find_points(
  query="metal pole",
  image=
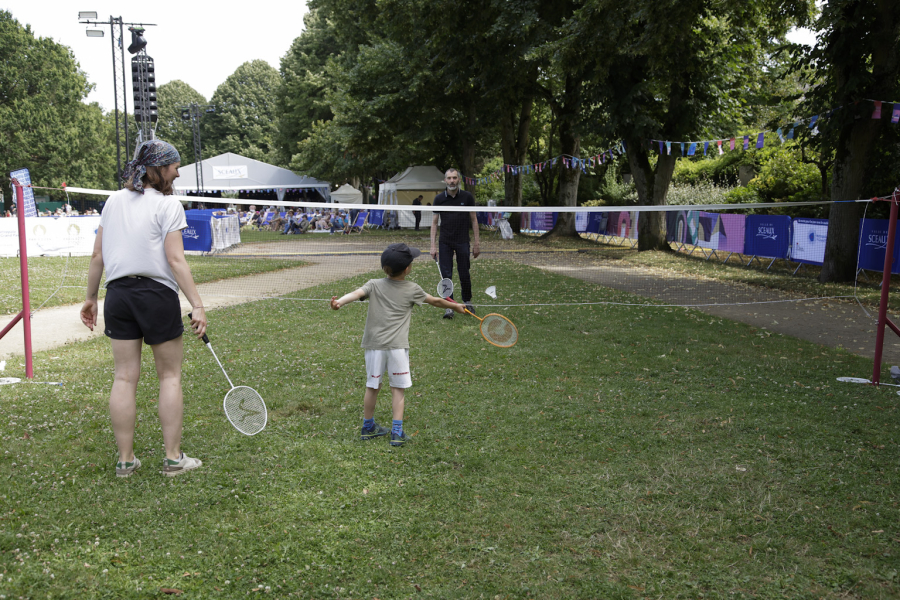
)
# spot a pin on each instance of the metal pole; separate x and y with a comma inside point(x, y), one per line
point(112, 41)
point(23, 267)
point(885, 290)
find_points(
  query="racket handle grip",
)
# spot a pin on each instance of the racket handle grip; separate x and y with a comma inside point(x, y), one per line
point(205, 338)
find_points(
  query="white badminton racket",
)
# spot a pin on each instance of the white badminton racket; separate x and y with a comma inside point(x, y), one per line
point(445, 287)
point(243, 405)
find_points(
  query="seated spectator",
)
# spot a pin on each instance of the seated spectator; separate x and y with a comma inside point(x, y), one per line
point(338, 222)
point(324, 223)
point(277, 223)
point(288, 220)
point(256, 220)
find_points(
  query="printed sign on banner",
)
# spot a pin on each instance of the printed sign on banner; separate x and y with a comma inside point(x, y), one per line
point(543, 221)
point(809, 237)
point(596, 222)
point(622, 224)
point(682, 226)
point(232, 172)
point(197, 236)
point(50, 236)
point(873, 245)
point(581, 221)
point(23, 176)
point(767, 236)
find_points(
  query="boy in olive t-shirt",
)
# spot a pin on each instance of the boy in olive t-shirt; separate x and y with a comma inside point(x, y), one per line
point(386, 336)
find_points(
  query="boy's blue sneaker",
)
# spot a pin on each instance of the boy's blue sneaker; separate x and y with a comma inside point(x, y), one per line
point(373, 432)
point(398, 439)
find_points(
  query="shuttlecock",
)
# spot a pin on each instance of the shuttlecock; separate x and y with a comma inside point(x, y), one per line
point(492, 292)
point(895, 373)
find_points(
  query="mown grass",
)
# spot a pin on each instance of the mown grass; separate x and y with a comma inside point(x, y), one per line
point(615, 452)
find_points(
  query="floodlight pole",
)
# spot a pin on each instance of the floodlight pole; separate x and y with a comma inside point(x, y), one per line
point(193, 110)
point(120, 97)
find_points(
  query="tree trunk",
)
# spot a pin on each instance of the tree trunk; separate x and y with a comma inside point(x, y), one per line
point(847, 181)
point(570, 146)
point(514, 131)
point(468, 148)
point(652, 187)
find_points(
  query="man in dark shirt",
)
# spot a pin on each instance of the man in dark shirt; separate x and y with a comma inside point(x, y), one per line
point(417, 213)
point(455, 235)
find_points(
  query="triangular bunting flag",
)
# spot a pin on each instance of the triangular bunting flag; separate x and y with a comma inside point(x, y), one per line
point(812, 121)
point(759, 140)
point(746, 142)
point(705, 148)
point(719, 144)
point(895, 116)
point(876, 114)
point(692, 149)
point(732, 144)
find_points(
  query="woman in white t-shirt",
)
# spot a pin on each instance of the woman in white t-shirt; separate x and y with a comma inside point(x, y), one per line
point(139, 244)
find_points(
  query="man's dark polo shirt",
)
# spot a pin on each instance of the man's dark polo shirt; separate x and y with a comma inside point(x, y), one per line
point(455, 225)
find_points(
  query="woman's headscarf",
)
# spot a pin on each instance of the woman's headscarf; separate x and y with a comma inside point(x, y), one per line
point(152, 153)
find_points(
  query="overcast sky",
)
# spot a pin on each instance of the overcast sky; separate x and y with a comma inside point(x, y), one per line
point(200, 43)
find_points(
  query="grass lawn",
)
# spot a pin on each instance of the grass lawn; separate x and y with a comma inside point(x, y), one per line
point(615, 452)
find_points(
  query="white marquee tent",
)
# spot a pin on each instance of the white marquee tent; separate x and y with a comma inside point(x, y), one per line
point(404, 187)
point(347, 193)
point(233, 173)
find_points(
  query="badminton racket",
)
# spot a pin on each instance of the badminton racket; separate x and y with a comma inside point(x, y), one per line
point(243, 405)
point(497, 329)
point(445, 287)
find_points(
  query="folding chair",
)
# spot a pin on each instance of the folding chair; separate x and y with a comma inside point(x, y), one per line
point(361, 219)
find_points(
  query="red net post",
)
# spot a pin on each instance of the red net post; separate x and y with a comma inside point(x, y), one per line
point(885, 290)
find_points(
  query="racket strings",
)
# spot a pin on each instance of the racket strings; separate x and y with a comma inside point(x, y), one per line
point(246, 410)
point(499, 330)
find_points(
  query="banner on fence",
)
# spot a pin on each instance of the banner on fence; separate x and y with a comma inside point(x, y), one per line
point(622, 224)
point(768, 236)
point(809, 237)
point(873, 246)
point(50, 236)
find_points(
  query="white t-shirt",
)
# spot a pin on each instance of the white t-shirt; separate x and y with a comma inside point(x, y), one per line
point(135, 226)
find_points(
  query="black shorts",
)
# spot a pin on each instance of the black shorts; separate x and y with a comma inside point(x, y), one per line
point(140, 307)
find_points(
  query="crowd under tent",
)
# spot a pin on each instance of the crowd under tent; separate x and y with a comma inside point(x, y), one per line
point(347, 194)
point(250, 179)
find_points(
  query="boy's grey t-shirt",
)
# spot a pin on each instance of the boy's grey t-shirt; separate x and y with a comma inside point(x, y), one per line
point(390, 311)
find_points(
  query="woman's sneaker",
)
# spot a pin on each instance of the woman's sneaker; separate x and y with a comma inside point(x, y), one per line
point(171, 468)
point(125, 469)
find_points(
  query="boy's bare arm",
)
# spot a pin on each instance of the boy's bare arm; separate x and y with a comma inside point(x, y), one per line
point(336, 302)
point(442, 303)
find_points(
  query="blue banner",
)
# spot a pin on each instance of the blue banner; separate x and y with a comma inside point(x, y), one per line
point(596, 222)
point(24, 178)
point(197, 236)
point(873, 246)
point(768, 236)
point(542, 221)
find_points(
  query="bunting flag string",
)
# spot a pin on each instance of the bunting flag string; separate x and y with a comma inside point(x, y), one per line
point(687, 148)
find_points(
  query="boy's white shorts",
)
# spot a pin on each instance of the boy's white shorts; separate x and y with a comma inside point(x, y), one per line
point(396, 362)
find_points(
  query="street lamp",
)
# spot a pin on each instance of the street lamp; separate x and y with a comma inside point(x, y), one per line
point(118, 55)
